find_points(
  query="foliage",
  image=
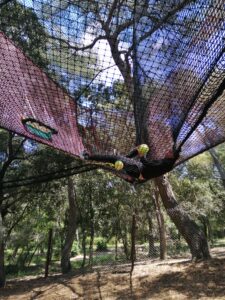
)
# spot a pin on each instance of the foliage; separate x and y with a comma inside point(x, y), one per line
point(105, 203)
point(101, 245)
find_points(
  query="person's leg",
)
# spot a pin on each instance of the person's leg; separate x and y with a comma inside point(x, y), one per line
point(140, 150)
point(128, 165)
point(133, 153)
point(101, 158)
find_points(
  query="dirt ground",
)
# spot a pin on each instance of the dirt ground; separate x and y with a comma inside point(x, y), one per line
point(171, 279)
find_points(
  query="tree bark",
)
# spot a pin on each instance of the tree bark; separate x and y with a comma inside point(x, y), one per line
point(32, 255)
point(116, 247)
point(71, 228)
point(125, 243)
point(192, 234)
point(49, 252)
point(133, 240)
point(161, 225)
point(92, 231)
point(151, 245)
point(2, 252)
point(84, 246)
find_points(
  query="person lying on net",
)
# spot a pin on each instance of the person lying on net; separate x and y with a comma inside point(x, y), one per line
point(142, 169)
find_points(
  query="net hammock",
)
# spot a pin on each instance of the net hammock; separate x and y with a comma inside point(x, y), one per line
point(106, 76)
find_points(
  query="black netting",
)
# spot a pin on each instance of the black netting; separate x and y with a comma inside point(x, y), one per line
point(108, 75)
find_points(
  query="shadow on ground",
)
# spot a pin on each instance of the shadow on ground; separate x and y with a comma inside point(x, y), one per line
point(171, 279)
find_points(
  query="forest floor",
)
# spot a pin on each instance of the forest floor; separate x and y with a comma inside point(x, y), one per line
point(153, 279)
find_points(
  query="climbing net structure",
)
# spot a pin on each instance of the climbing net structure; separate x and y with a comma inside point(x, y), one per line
point(107, 75)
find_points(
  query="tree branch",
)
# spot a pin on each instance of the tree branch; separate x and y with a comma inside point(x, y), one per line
point(162, 22)
point(89, 84)
point(7, 205)
point(122, 27)
point(16, 222)
point(10, 145)
point(19, 147)
point(90, 46)
point(110, 15)
point(10, 155)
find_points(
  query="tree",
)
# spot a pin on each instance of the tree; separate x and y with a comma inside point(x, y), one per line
point(191, 232)
point(70, 223)
point(218, 165)
point(111, 28)
point(10, 153)
point(161, 225)
point(23, 27)
point(200, 193)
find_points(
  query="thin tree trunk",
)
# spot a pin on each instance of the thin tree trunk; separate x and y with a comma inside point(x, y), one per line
point(19, 261)
point(91, 250)
point(125, 243)
point(13, 255)
point(192, 234)
point(161, 225)
point(218, 165)
point(71, 228)
point(32, 255)
point(49, 252)
point(25, 256)
point(2, 242)
point(92, 233)
point(117, 226)
point(84, 246)
point(133, 239)
point(151, 245)
point(2, 252)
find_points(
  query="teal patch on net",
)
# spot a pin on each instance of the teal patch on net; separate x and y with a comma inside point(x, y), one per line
point(39, 133)
point(38, 129)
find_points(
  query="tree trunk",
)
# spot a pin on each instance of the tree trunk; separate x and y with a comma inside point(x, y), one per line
point(2, 242)
point(92, 232)
point(32, 255)
point(84, 246)
point(26, 255)
point(116, 247)
point(151, 245)
point(2, 252)
point(13, 255)
point(218, 165)
point(125, 243)
point(192, 234)
point(49, 252)
point(71, 228)
point(161, 225)
point(133, 239)
point(189, 229)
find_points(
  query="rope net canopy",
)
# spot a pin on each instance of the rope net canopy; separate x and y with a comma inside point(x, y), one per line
point(105, 76)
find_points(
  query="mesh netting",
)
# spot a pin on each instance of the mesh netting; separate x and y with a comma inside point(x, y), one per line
point(107, 75)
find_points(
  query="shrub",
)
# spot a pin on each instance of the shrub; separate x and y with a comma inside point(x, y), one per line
point(101, 245)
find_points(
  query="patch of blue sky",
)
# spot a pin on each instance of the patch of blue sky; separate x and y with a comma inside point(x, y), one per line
point(205, 53)
point(162, 38)
point(92, 118)
point(198, 59)
point(30, 146)
point(155, 61)
point(3, 156)
point(68, 21)
point(27, 3)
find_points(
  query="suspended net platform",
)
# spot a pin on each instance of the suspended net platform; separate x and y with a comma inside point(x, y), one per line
point(106, 76)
